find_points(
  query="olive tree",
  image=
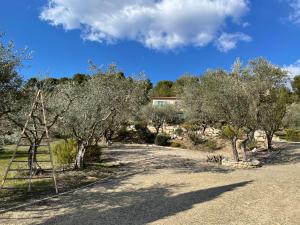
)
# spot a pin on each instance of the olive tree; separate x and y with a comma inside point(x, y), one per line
point(192, 103)
point(10, 81)
point(157, 116)
point(292, 117)
point(104, 101)
point(56, 103)
point(226, 98)
point(271, 95)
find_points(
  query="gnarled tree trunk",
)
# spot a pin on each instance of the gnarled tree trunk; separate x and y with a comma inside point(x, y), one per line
point(244, 143)
point(269, 136)
point(235, 154)
point(79, 161)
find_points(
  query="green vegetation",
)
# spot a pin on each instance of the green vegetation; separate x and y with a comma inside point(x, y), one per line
point(67, 179)
point(292, 135)
point(65, 152)
point(195, 138)
point(5, 156)
point(176, 145)
point(296, 86)
point(162, 140)
point(164, 88)
point(211, 144)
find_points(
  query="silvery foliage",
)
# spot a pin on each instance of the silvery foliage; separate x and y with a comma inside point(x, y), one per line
point(292, 117)
point(56, 102)
point(10, 80)
point(104, 101)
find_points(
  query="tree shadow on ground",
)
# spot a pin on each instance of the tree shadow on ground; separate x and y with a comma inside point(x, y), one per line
point(136, 206)
point(143, 160)
point(285, 153)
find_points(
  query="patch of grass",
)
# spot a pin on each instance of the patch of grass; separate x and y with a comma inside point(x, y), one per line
point(66, 179)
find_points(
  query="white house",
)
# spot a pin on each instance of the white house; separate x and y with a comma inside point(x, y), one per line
point(160, 101)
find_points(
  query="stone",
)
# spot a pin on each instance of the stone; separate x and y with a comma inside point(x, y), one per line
point(254, 150)
point(254, 163)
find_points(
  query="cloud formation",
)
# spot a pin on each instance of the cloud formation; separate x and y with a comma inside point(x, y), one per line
point(157, 24)
point(293, 69)
point(295, 14)
point(227, 41)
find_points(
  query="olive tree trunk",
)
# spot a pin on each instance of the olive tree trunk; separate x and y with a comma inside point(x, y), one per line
point(235, 154)
point(269, 136)
point(79, 160)
point(244, 143)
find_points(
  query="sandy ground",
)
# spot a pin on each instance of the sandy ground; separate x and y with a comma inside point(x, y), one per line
point(159, 186)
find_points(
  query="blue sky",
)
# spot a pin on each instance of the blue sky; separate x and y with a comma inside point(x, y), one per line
point(163, 39)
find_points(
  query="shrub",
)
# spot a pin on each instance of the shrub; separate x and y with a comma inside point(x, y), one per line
point(162, 139)
point(191, 126)
point(176, 145)
point(292, 135)
point(65, 151)
point(195, 138)
point(227, 132)
point(252, 144)
point(123, 134)
point(144, 135)
point(93, 153)
point(9, 139)
point(211, 144)
point(141, 125)
point(178, 131)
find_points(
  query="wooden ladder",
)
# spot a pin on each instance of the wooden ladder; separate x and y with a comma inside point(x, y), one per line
point(37, 106)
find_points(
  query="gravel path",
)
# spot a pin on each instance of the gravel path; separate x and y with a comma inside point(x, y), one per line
point(173, 187)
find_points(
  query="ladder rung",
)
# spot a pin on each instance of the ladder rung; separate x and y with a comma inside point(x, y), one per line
point(19, 170)
point(35, 161)
point(15, 170)
point(27, 138)
point(42, 152)
point(28, 145)
point(12, 188)
point(26, 178)
point(37, 152)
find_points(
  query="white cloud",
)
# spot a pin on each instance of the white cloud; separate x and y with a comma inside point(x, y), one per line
point(158, 24)
point(293, 69)
point(295, 14)
point(227, 41)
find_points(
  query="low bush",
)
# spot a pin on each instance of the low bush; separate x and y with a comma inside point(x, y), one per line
point(93, 153)
point(191, 126)
point(141, 125)
point(65, 152)
point(292, 135)
point(143, 136)
point(195, 138)
point(123, 134)
point(162, 140)
point(140, 135)
point(175, 145)
point(178, 131)
point(211, 144)
point(252, 144)
point(228, 132)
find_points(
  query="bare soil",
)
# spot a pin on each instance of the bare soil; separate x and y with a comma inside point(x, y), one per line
point(165, 186)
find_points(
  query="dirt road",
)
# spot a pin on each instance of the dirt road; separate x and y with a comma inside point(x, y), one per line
point(176, 187)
